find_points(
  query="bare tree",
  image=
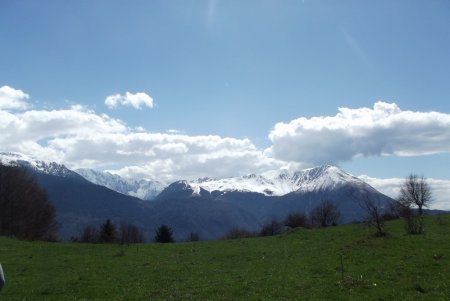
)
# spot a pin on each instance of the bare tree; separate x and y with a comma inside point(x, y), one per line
point(130, 234)
point(236, 233)
point(415, 191)
point(25, 211)
point(325, 214)
point(271, 228)
point(294, 220)
point(89, 234)
point(374, 213)
point(193, 236)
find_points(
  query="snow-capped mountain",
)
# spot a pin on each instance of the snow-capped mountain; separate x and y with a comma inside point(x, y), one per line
point(51, 168)
point(143, 189)
point(275, 194)
point(209, 207)
point(280, 182)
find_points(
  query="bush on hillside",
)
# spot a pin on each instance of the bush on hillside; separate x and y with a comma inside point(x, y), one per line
point(126, 234)
point(325, 214)
point(296, 219)
point(272, 228)
point(236, 233)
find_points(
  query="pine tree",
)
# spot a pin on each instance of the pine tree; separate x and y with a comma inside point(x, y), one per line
point(108, 232)
point(163, 234)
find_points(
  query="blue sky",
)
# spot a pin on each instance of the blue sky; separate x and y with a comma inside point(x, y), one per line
point(230, 69)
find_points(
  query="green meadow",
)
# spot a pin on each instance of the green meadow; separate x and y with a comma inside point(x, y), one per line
point(300, 265)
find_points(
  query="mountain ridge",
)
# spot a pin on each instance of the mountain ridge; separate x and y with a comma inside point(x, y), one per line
point(206, 206)
point(144, 189)
point(270, 183)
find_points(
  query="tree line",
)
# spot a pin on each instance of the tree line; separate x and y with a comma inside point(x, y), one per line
point(325, 214)
point(124, 234)
point(26, 213)
point(415, 194)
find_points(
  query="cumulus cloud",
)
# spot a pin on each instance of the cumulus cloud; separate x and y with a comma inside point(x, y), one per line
point(384, 129)
point(79, 137)
point(391, 187)
point(129, 99)
point(11, 99)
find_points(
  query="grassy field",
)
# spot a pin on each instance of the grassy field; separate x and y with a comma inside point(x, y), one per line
point(301, 265)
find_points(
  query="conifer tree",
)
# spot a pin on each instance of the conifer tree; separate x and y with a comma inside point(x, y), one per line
point(163, 234)
point(108, 232)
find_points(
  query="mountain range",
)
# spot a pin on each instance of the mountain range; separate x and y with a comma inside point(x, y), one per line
point(144, 189)
point(209, 207)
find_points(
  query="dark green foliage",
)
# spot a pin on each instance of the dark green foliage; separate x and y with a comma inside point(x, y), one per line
point(108, 232)
point(25, 212)
point(163, 234)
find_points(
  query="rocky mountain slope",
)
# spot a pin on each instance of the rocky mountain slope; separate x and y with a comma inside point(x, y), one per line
point(209, 207)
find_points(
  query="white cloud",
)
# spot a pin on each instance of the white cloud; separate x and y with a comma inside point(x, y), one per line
point(391, 187)
point(135, 100)
point(11, 99)
point(79, 137)
point(384, 129)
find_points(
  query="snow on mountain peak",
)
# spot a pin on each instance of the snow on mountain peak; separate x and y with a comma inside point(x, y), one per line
point(271, 183)
point(19, 159)
point(279, 182)
point(144, 189)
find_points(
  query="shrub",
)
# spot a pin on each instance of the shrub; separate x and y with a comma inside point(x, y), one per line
point(295, 220)
point(236, 233)
point(325, 214)
point(271, 228)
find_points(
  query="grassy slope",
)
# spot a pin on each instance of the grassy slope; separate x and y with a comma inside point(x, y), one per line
point(302, 265)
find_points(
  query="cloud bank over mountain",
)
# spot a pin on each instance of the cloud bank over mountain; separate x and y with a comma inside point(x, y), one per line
point(382, 130)
point(82, 138)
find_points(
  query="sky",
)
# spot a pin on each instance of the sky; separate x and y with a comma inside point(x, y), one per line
point(185, 89)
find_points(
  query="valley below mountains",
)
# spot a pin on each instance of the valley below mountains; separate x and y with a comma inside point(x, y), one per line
point(208, 207)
